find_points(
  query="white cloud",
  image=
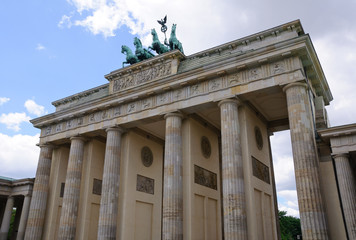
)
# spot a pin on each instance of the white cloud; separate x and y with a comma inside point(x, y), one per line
point(290, 211)
point(13, 120)
point(339, 61)
point(40, 47)
point(288, 202)
point(283, 161)
point(34, 108)
point(4, 100)
point(18, 155)
point(65, 22)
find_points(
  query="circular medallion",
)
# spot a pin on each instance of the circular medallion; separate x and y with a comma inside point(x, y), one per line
point(258, 136)
point(205, 147)
point(146, 156)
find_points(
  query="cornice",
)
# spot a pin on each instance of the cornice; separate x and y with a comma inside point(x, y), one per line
point(248, 40)
point(338, 131)
point(80, 95)
point(231, 64)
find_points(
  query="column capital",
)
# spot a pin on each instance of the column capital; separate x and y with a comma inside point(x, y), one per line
point(337, 155)
point(173, 114)
point(295, 84)
point(47, 145)
point(230, 100)
point(78, 138)
point(115, 128)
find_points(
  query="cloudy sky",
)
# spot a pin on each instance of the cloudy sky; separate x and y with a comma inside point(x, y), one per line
point(52, 49)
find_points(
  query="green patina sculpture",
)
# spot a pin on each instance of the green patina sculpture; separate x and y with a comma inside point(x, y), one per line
point(143, 54)
point(130, 57)
point(157, 46)
point(173, 41)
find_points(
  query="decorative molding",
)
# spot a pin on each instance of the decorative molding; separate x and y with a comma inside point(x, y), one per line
point(205, 147)
point(97, 186)
point(145, 184)
point(205, 177)
point(80, 95)
point(185, 92)
point(258, 138)
point(142, 76)
point(260, 170)
point(146, 156)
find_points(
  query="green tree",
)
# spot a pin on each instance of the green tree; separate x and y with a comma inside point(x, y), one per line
point(290, 226)
point(11, 223)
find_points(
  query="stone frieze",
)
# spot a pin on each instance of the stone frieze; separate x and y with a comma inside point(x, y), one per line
point(142, 76)
point(241, 77)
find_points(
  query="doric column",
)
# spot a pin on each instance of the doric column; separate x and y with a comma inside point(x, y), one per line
point(172, 221)
point(306, 163)
point(69, 214)
point(234, 206)
point(24, 216)
point(5, 225)
point(38, 205)
point(347, 190)
point(110, 188)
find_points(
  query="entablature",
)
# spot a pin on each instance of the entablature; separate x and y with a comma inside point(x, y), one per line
point(162, 83)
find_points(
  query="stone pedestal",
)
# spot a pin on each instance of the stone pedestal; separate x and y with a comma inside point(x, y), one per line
point(172, 222)
point(5, 225)
point(234, 206)
point(306, 163)
point(110, 189)
point(24, 216)
point(347, 190)
point(39, 195)
point(69, 214)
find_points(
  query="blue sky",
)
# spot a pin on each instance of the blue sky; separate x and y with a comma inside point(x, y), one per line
point(52, 49)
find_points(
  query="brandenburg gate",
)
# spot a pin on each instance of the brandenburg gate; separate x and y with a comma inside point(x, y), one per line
point(177, 147)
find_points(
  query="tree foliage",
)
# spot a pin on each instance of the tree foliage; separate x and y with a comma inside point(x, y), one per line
point(290, 226)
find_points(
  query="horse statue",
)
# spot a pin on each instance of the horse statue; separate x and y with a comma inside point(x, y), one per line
point(173, 41)
point(157, 46)
point(141, 52)
point(130, 57)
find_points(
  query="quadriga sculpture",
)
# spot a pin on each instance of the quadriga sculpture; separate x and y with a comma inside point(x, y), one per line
point(173, 41)
point(130, 57)
point(157, 46)
point(141, 52)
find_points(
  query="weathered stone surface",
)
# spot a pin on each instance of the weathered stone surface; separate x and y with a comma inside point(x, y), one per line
point(172, 222)
point(110, 188)
point(306, 164)
point(235, 226)
point(6, 218)
point(69, 214)
point(24, 216)
point(39, 195)
point(347, 187)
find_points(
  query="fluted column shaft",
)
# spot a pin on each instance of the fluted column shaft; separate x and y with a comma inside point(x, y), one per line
point(5, 225)
point(38, 205)
point(24, 216)
point(110, 188)
point(306, 165)
point(347, 190)
point(173, 179)
point(234, 206)
point(69, 214)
